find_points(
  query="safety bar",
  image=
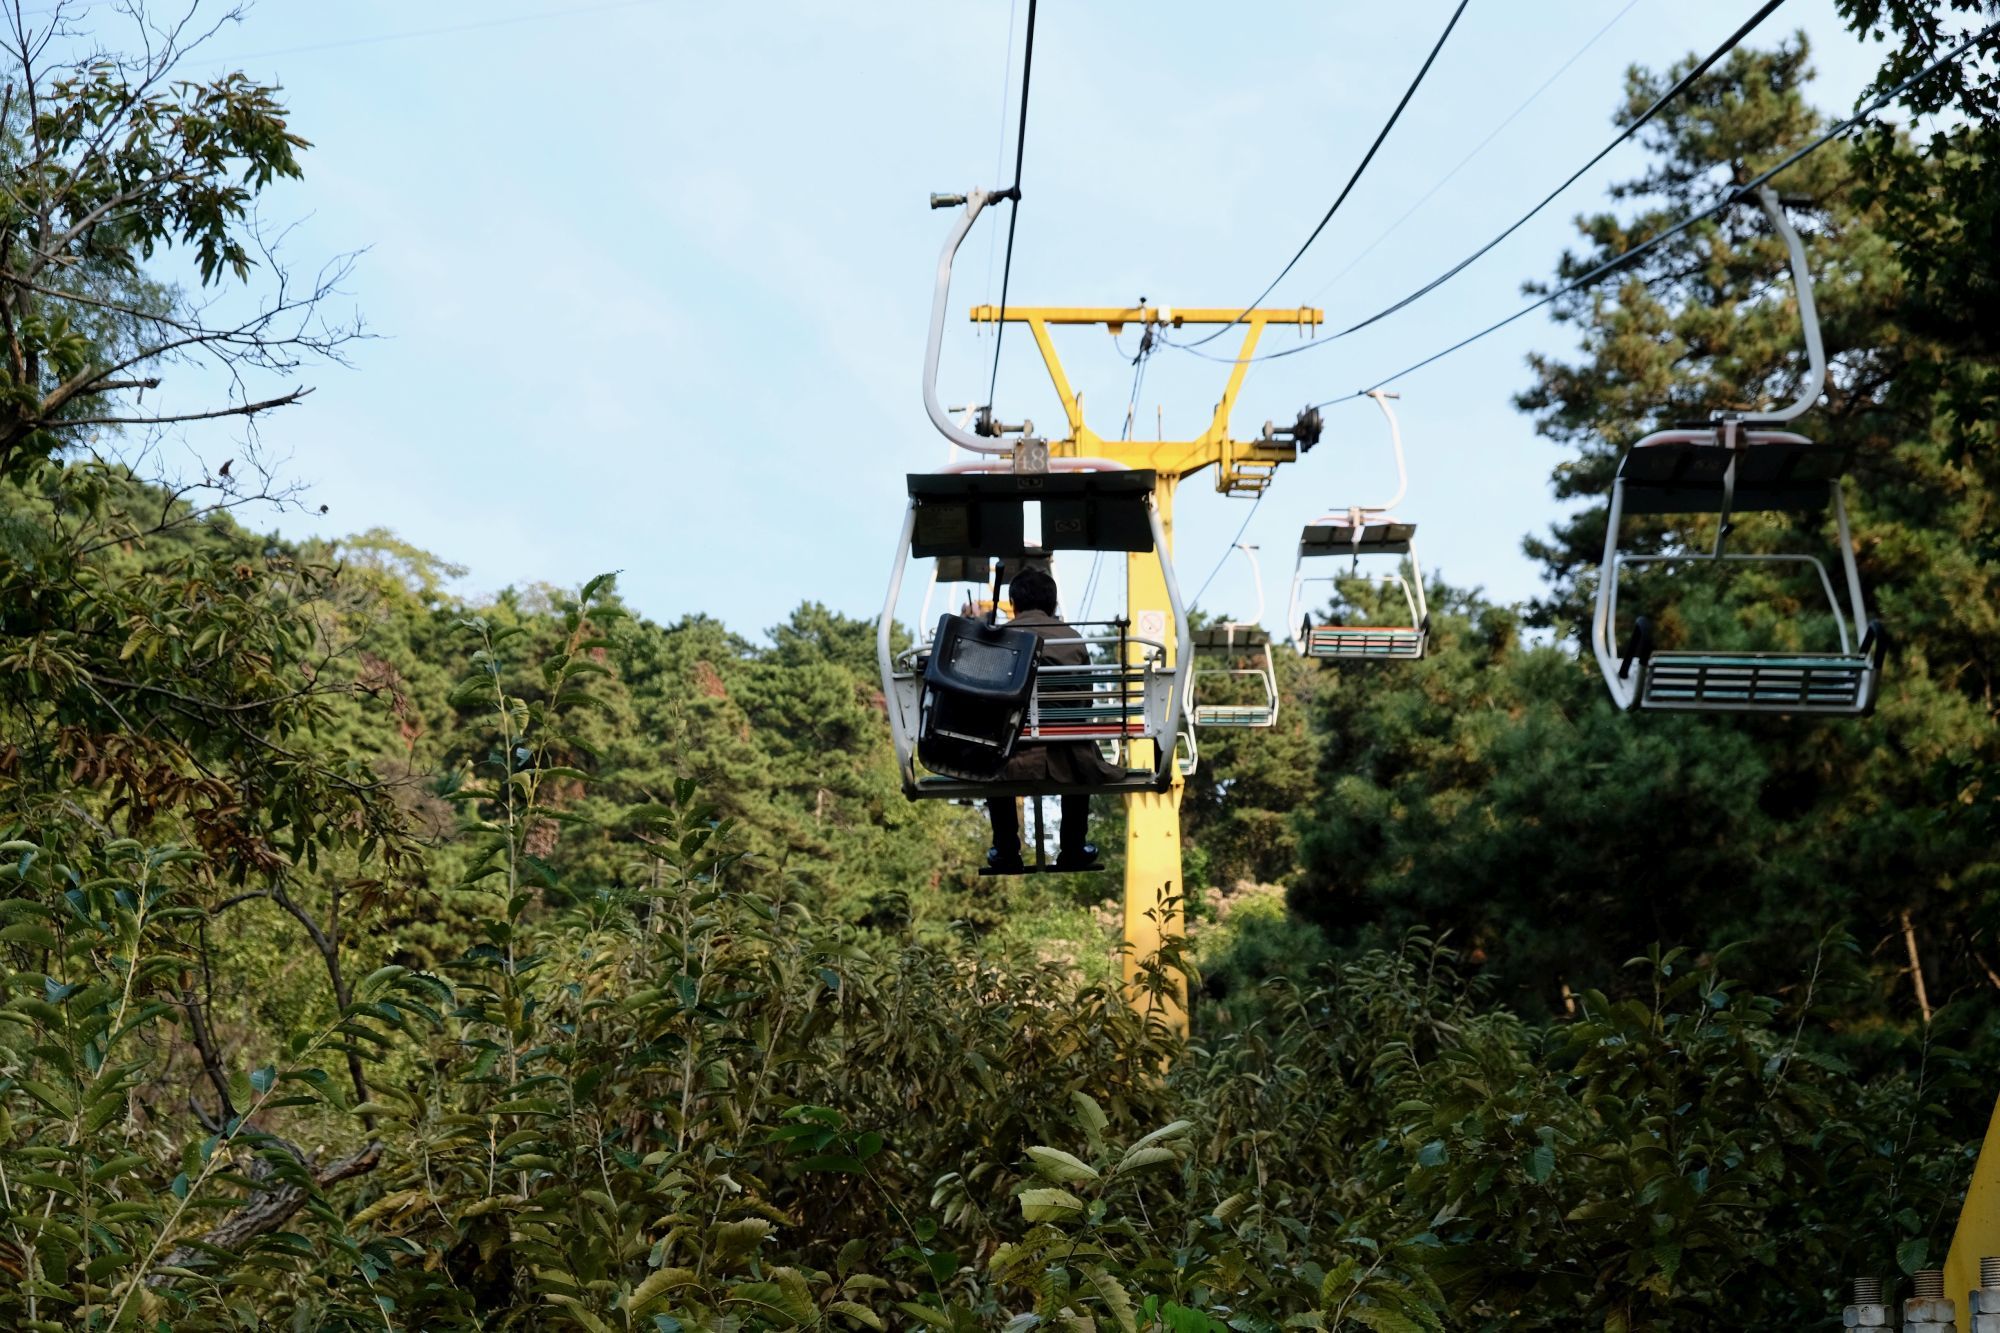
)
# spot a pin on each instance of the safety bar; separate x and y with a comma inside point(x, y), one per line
point(1412, 589)
point(1156, 651)
point(1840, 622)
point(1229, 714)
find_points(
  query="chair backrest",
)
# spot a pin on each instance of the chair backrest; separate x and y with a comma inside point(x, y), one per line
point(1686, 472)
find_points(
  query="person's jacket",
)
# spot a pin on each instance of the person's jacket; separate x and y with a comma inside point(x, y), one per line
point(1068, 762)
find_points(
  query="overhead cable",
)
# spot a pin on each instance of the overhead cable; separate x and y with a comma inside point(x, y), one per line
point(1013, 196)
point(1660, 104)
point(1477, 149)
point(1352, 180)
point(1226, 550)
point(1734, 194)
point(1000, 149)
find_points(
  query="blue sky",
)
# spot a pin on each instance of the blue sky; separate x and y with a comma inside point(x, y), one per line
point(650, 279)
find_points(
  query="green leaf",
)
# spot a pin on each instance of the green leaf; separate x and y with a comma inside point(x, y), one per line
point(1055, 1164)
point(1163, 1133)
point(924, 1314)
point(1116, 1299)
point(1541, 1163)
point(1049, 1205)
point(656, 1286)
point(834, 1162)
point(1181, 1319)
point(735, 1240)
point(784, 1305)
point(31, 933)
point(1144, 1157)
point(1598, 1208)
point(1910, 1255)
point(860, 1314)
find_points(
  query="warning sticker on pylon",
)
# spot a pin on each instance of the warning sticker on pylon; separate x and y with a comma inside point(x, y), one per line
point(1153, 625)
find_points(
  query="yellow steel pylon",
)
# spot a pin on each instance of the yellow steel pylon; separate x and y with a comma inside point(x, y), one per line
point(1978, 1233)
point(1153, 884)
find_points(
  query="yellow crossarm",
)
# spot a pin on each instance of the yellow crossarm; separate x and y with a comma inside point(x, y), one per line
point(1243, 467)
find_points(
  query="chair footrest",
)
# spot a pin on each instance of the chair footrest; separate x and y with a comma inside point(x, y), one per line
point(1722, 682)
point(1232, 715)
point(1361, 642)
point(936, 788)
point(1051, 868)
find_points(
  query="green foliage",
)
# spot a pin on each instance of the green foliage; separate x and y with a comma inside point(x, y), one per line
point(105, 161)
point(373, 960)
point(1492, 791)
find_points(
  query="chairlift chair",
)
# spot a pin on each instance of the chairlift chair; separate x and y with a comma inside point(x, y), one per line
point(1363, 531)
point(1739, 464)
point(1234, 650)
point(1129, 692)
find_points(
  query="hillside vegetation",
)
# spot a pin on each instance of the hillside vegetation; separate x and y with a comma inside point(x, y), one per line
point(376, 957)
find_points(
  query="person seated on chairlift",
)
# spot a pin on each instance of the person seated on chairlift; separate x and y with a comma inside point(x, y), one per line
point(1068, 763)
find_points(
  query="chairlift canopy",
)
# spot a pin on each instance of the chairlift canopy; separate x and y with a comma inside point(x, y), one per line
point(973, 514)
point(1683, 472)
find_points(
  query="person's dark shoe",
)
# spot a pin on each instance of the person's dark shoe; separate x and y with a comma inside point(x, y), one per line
point(1004, 863)
point(1079, 858)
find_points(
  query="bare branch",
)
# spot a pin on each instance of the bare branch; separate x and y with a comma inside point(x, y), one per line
point(267, 1208)
point(240, 410)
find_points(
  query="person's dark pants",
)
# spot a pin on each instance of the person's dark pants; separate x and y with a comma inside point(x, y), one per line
point(1006, 816)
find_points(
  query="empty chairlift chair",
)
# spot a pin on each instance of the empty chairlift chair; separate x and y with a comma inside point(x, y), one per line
point(1130, 692)
point(1232, 659)
point(1372, 532)
point(1739, 464)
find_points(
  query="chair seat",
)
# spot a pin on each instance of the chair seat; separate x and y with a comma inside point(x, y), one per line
point(1377, 535)
point(1778, 682)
